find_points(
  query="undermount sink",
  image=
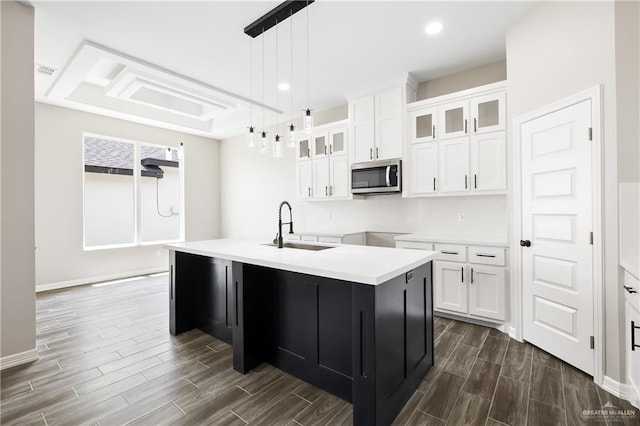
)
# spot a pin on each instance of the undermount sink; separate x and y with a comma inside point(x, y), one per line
point(312, 247)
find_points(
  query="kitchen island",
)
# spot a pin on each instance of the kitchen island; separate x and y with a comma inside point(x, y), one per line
point(355, 321)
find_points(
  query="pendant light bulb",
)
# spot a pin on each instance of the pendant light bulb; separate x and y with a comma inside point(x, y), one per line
point(308, 121)
point(277, 147)
point(251, 138)
point(264, 143)
point(291, 141)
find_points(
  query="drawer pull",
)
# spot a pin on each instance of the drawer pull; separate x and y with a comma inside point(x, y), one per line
point(462, 274)
point(485, 255)
point(449, 252)
point(630, 289)
point(471, 275)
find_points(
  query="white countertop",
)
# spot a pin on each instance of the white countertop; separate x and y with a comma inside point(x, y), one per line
point(361, 264)
point(467, 240)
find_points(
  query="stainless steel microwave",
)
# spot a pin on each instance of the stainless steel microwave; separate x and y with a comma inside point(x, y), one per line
point(376, 177)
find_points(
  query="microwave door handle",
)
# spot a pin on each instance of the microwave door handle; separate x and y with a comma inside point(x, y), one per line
point(388, 176)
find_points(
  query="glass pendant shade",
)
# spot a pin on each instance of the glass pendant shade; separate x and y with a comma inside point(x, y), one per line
point(308, 121)
point(264, 143)
point(277, 147)
point(251, 138)
point(291, 140)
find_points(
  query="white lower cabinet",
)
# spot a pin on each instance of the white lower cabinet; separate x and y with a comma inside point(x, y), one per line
point(632, 337)
point(469, 281)
point(487, 288)
point(450, 292)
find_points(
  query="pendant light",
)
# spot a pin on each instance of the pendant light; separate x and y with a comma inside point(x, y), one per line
point(251, 135)
point(264, 142)
point(291, 139)
point(277, 144)
point(308, 118)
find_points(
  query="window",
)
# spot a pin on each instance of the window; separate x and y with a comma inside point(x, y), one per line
point(132, 193)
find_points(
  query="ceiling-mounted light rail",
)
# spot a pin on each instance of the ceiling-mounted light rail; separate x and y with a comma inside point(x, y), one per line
point(278, 14)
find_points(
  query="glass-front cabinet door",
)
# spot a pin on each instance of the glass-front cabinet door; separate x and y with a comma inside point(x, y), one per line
point(338, 141)
point(454, 120)
point(488, 113)
point(423, 125)
point(320, 145)
point(304, 147)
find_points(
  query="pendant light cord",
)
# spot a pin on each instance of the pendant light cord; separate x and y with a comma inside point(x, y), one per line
point(308, 67)
point(291, 77)
point(251, 81)
point(276, 85)
point(263, 79)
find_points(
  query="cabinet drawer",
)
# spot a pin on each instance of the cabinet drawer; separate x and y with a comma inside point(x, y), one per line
point(310, 238)
point(451, 252)
point(631, 290)
point(333, 240)
point(486, 255)
point(292, 237)
point(418, 245)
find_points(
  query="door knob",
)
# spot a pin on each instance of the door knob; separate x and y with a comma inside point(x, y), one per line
point(525, 243)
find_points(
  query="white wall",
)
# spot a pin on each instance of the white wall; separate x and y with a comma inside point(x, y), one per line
point(17, 300)
point(556, 50)
point(58, 195)
point(467, 79)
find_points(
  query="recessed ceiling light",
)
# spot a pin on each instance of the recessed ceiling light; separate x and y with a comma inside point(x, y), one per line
point(433, 28)
point(284, 86)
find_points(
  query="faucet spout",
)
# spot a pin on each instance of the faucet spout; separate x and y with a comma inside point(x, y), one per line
point(290, 223)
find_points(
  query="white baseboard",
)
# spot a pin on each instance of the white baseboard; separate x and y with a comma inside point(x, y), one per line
point(97, 279)
point(614, 387)
point(18, 359)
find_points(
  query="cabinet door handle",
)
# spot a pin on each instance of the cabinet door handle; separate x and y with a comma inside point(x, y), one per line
point(465, 182)
point(326, 191)
point(448, 252)
point(308, 152)
point(331, 149)
point(629, 289)
point(475, 125)
point(325, 150)
point(633, 336)
point(462, 273)
point(433, 132)
point(377, 152)
point(485, 255)
point(309, 189)
point(471, 275)
point(475, 181)
point(370, 153)
point(434, 184)
point(465, 125)
point(330, 190)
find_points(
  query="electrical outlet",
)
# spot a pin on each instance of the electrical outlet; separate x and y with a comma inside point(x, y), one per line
point(461, 217)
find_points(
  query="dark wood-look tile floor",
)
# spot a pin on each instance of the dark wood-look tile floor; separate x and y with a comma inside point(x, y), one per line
point(106, 358)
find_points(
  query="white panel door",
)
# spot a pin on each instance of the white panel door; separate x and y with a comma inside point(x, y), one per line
point(339, 181)
point(487, 288)
point(450, 289)
point(388, 124)
point(424, 168)
point(321, 178)
point(362, 117)
point(488, 162)
point(305, 178)
point(454, 165)
point(557, 267)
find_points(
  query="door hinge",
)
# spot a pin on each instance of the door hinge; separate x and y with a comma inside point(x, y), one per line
point(590, 133)
point(592, 342)
point(591, 238)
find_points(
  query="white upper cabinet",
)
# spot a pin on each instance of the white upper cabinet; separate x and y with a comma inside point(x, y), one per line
point(304, 178)
point(488, 113)
point(489, 162)
point(454, 120)
point(388, 139)
point(362, 118)
point(423, 125)
point(454, 165)
point(324, 175)
point(467, 131)
point(424, 170)
point(378, 125)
